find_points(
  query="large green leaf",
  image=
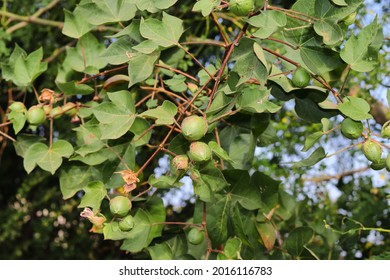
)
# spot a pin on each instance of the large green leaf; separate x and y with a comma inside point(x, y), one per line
point(106, 11)
point(242, 190)
point(86, 56)
point(331, 32)
point(75, 25)
point(141, 66)
point(47, 158)
point(163, 114)
point(153, 6)
point(268, 22)
point(356, 108)
point(361, 51)
point(205, 6)
point(93, 196)
point(255, 99)
point(146, 227)
point(297, 239)
point(165, 33)
point(247, 64)
point(120, 51)
point(116, 117)
point(23, 69)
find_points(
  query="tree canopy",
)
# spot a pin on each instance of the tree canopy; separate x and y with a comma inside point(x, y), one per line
point(209, 129)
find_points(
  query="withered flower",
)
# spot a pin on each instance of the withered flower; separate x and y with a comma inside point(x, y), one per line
point(130, 178)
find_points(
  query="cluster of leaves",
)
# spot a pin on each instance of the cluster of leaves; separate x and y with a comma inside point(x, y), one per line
point(126, 94)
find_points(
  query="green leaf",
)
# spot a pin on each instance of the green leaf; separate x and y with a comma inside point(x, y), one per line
point(361, 51)
point(25, 141)
point(247, 64)
point(255, 99)
point(88, 136)
point(232, 248)
point(340, 2)
point(356, 108)
point(153, 6)
point(75, 25)
point(86, 56)
point(267, 234)
point(204, 76)
point(138, 129)
point(315, 157)
point(268, 22)
point(23, 69)
point(18, 120)
point(161, 252)
point(177, 83)
point(94, 194)
point(219, 152)
point(116, 117)
point(331, 32)
point(120, 51)
point(47, 158)
point(205, 6)
point(163, 115)
point(75, 178)
point(107, 11)
point(241, 189)
point(297, 239)
point(73, 88)
point(201, 188)
point(145, 229)
point(141, 67)
point(164, 182)
point(311, 140)
point(165, 33)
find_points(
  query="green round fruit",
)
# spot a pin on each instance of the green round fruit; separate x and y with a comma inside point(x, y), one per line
point(120, 206)
point(70, 109)
point(351, 129)
point(56, 112)
point(241, 7)
point(35, 115)
point(180, 162)
point(380, 165)
point(127, 223)
point(194, 127)
point(372, 150)
point(386, 130)
point(300, 78)
point(195, 236)
point(387, 162)
point(17, 106)
point(350, 19)
point(199, 152)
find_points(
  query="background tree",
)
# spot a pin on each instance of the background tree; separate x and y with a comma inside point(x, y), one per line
point(98, 116)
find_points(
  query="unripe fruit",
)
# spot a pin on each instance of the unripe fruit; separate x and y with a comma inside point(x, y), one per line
point(301, 78)
point(194, 127)
point(387, 162)
point(180, 162)
point(351, 129)
point(372, 150)
point(120, 206)
point(386, 130)
point(127, 223)
point(17, 107)
point(241, 7)
point(350, 19)
point(195, 236)
point(56, 112)
point(199, 151)
point(35, 115)
point(70, 109)
point(380, 165)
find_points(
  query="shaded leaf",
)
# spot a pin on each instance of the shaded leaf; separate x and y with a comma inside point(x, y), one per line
point(297, 239)
point(94, 194)
point(315, 157)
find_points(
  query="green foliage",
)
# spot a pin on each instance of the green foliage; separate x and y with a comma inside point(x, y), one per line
point(126, 76)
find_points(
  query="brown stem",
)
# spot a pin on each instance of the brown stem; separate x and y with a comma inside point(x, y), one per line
point(228, 53)
point(177, 71)
point(282, 42)
point(223, 35)
point(281, 56)
point(118, 156)
point(196, 60)
point(345, 73)
point(85, 79)
point(204, 225)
